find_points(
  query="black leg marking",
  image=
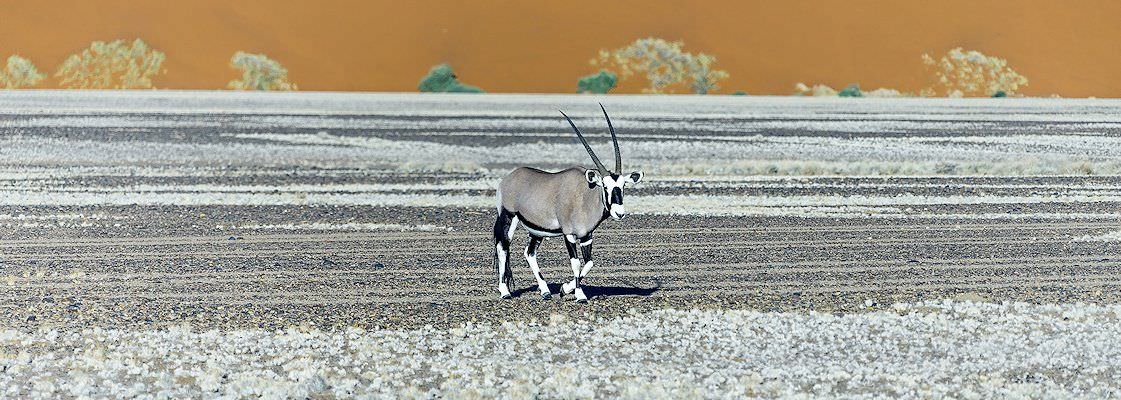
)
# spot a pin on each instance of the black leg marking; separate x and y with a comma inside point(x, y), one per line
point(502, 241)
point(586, 249)
point(575, 258)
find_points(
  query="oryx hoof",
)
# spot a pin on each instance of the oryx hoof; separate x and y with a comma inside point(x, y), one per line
point(546, 296)
point(568, 288)
point(582, 301)
point(507, 296)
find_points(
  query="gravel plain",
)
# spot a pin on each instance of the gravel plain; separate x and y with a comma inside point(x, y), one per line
point(331, 245)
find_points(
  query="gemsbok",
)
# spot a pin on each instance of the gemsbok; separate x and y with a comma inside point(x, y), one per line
point(569, 203)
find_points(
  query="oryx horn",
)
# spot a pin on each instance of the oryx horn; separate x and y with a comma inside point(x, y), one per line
point(614, 141)
point(599, 165)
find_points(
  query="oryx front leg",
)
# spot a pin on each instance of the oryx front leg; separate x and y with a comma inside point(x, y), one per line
point(531, 259)
point(503, 233)
point(580, 265)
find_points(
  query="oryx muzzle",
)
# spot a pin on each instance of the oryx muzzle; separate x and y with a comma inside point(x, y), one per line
point(569, 203)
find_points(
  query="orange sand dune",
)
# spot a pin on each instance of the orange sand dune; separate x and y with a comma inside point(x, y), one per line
point(1068, 48)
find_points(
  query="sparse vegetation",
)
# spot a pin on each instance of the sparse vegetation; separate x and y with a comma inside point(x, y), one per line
point(441, 79)
point(852, 90)
point(258, 72)
point(885, 93)
point(818, 90)
point(665, 65)
point(600, 83)
point(962, 73)
point(112, 65)
point(20, 72)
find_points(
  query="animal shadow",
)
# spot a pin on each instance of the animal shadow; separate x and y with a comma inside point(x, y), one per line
point(596, 291)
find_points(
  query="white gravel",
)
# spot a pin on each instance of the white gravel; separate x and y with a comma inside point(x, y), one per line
point(1114, 236)
point(929, 350)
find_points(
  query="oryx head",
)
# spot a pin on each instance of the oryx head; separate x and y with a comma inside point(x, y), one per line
point(611, 183)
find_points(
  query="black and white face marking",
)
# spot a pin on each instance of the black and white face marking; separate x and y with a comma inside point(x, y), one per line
point(612, 186)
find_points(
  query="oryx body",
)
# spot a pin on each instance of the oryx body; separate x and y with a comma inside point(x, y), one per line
point(569, 203)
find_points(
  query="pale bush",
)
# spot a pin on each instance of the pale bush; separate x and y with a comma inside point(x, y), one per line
point(886, 93)
point(20, 72)
point(963, 73)
point(817, 90)
point(801, 89)
point(113, 65)
point(258, 72)
point(666, 66)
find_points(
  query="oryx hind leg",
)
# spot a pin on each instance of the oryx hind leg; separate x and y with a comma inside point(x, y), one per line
point(579, 255)
point(531, 259)
point(503, 232)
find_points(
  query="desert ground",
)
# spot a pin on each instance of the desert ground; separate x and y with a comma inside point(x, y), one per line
point(220, 244)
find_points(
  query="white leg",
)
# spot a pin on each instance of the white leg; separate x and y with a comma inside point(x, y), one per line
point(571, 285)
point(587, 267)
point(503, 288)
point(579, 291)
point(577, 262)
point(531, 259)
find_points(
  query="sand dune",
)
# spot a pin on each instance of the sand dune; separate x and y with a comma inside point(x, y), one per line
point(514, 46)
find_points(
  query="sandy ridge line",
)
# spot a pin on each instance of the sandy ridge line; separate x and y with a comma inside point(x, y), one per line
point(484, 252)
point(874, 228)
point(477, 248)
point(170, 282)
point(375, 238)
point(610, 270)
point(455, 296)
point(413, 235)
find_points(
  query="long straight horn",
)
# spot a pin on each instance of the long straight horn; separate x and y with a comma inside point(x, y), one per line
point(599, 165)
point(614, 141)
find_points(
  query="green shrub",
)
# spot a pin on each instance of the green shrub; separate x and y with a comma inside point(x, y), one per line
point(113, 65)
point(258, 72)
point(441, 79)
point(1000, 93)
point(600, 83)
point(852, 90)
point(20, 72)
point(739, 93)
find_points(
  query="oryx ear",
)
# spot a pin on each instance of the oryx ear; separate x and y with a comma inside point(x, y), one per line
point(634, 177)
point(592, 176)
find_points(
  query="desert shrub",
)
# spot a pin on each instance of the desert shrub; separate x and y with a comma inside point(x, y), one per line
point(441, 79)
point(1000, 93)
point(972, 73)
point(739, 93)
point(112, 65)
point(852, 90)
point(886, 93)
point(258, 72)
point(666, 66)
point(819, 90)
point(600, 83)
point(20, 72)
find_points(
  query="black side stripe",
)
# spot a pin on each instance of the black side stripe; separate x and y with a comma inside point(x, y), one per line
point(535, 227)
